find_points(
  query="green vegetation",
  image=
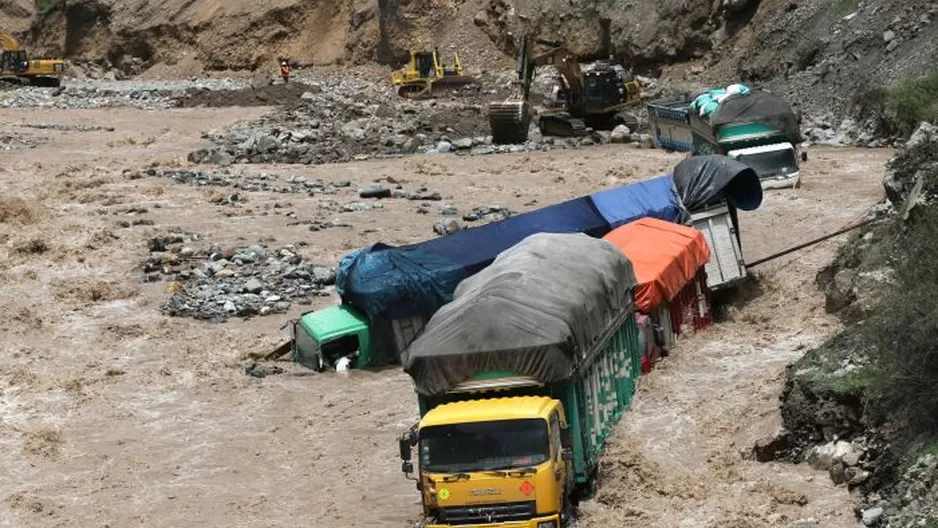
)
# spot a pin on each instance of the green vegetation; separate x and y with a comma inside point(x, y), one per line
point(904, 330)
point(44, 6)
point(912, 457)
point(914, 100)
point(806, 54)
point(845, 7)
point(837, 368)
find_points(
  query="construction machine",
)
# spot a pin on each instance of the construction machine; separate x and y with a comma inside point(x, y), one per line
point(17, 67)
point(595, 98)
point(425, 72)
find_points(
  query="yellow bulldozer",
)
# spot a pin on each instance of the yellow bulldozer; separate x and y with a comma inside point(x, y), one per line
point(425, 72)
point(16, 66)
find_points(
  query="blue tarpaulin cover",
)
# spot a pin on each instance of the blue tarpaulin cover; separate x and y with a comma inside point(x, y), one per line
point(656, 198)
point(476, 248)
point(387, 282)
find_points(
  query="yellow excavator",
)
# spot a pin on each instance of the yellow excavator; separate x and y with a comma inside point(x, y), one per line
point(424, 73)
point(594, 98)
point(16, 66)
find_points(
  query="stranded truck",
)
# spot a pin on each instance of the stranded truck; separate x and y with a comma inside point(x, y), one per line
point(519, 381)
point(754, 127)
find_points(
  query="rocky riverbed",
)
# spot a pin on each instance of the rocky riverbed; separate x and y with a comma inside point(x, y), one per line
point(213, 283)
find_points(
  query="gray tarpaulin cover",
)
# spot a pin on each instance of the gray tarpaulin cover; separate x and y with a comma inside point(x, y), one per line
point(535, 311)
point(758, 107)
point(704, 180)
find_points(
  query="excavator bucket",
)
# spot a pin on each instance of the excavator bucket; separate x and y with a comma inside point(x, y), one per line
point(509, 121)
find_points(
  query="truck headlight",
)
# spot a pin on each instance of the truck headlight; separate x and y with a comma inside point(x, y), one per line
point(547, 524)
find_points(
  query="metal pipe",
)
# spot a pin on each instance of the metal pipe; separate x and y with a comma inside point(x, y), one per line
point(810, 243)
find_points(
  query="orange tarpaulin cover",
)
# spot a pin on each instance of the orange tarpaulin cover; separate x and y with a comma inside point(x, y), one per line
point(665, 257)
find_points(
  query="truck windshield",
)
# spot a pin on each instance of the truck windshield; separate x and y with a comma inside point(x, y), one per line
point(481, 446)
point(770, 164)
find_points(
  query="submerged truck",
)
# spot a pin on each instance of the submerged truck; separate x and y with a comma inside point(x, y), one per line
point(520, 380)
point(755, 127)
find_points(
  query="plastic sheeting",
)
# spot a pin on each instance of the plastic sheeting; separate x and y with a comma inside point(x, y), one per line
point(656, 198)
point(390, 283)
point(476, 248)
point(758, 107)
point(664, 256)
point(393, 282)
point(704, 180)
point(537, 311)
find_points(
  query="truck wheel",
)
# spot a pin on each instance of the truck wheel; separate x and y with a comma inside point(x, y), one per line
point(568, 513)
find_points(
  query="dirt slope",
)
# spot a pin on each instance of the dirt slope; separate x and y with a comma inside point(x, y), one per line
point(16, 15)
point(135, 35)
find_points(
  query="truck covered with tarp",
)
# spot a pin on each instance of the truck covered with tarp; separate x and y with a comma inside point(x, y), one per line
point(668, 260)
point(714, 188)
point(396, 289)
point(751, 125)
point(552, 316)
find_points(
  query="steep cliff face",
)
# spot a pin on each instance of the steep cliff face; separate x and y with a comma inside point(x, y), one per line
point(16, 15)
point(134, 35)
point(824, 55)
point(644, 34)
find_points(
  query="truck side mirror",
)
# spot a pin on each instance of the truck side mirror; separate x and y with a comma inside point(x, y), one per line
point(566, 438)
point(407, 467)
point(404, 444)
point(659, 336)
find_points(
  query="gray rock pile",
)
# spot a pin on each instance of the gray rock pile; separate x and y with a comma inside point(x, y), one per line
point(243, 181)
point(17, 141)
point(346, 120)
point(214, 283)
point(79, 94)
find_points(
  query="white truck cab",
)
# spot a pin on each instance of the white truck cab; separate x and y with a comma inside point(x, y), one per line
point(776, 164)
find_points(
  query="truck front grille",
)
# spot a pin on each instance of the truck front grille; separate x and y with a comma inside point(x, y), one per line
point(487, 513)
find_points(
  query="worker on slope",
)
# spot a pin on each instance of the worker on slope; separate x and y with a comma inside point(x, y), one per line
point(285, 70)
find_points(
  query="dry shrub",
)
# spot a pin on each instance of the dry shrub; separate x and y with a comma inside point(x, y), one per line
point(157, 189)
point(19, 376)
point(17, 211)
point(78, 184)
point(32, 246)
point(215, 196)
point(45, 442)
point(26, 316)
point(92, 290)
point(101, 238)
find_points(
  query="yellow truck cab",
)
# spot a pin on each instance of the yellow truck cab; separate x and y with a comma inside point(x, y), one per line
point(519, 382)
point(494, 461)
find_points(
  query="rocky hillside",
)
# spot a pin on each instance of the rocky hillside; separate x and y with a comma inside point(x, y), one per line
point(830, 58)
point(188, 36)
point(862, 406)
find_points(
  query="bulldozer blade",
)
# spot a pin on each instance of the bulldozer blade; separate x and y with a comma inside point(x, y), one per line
point(415, 90)
point(509, 121)
point(454, 81)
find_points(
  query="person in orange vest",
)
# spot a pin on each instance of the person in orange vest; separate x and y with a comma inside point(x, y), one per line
point(285, 70)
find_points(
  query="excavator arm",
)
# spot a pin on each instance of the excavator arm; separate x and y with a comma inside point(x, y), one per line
point(8, 42)
point(510, 119)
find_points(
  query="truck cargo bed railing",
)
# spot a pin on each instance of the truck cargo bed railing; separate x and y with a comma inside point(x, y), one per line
point(671, 112)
